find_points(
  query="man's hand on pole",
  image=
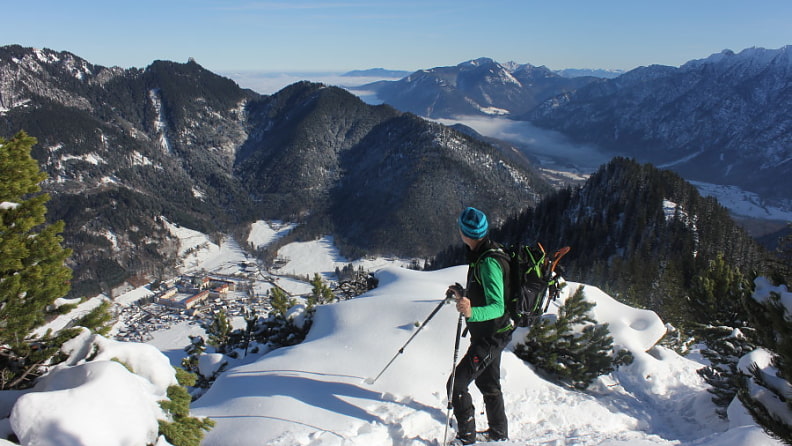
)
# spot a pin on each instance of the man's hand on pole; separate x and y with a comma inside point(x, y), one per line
point(462, 302)
point(463, 306)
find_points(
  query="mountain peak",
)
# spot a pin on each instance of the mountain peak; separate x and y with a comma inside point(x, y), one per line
point(35, 60)
point(754, 56)
point(477, 87)
point(478, 62)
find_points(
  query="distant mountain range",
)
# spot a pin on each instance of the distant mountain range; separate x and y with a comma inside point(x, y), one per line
point(128, 150)
point(476, 87)
point(567, 72)
point(377, 72)
point(724, 119)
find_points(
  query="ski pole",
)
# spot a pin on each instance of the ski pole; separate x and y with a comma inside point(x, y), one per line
point(453, 376)
point(401, 350)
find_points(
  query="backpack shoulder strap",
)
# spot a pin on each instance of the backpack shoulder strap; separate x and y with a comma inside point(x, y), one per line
point(497, 253)
point(493, 252)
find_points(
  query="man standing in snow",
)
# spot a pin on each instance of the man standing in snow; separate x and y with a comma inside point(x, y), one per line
point(482, 303)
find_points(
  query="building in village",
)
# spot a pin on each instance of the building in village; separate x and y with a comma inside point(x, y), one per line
point(220, 290)
point(199, 289)
point(195, 299)
point(172, 299)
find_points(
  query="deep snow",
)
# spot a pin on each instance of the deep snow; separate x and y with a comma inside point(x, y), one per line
point(315, 393)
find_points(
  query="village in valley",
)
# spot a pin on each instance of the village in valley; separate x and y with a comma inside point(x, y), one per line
point(225, 278)
point(214, 277)
point(193, 298)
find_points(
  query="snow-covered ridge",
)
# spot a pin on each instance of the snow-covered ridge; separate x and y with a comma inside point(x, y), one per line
point(316, 393)
point(749, 57)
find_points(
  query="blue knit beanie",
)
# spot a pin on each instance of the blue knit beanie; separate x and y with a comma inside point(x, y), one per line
point(473, 223)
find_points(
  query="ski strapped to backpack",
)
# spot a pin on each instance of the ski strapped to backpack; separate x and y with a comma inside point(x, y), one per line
point(534, 280)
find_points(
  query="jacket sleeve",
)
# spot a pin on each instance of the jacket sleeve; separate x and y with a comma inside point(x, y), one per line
point(491, 276)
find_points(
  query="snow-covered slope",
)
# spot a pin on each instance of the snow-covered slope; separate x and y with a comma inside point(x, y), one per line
point(316, 393)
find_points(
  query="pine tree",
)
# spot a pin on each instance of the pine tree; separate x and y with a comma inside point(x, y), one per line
point(280, 301)
point(717, 299)
point(573, 348)
point(32, 261)
point(181, 429)
point(251, 318)
point(771, 406)
point(781, 264)
point(718, 293)
point(725, 347)
point(98, 320)
point(321, 293)
point(219, 332)
point(194, 350)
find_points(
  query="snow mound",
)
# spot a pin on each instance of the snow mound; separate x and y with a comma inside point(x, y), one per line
point(211, 363)
point(634, 329)
point(70, 406)
point(143, 359)
point(107, 392)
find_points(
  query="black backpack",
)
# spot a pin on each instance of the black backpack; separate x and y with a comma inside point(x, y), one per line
point(534, 280)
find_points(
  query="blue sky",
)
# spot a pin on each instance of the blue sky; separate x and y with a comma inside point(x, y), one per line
point(342, 35)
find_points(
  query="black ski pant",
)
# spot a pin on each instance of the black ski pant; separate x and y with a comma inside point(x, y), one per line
point(481, 364)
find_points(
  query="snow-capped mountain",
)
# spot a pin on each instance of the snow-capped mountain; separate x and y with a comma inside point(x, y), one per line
point(723, 119)
point(125, 147)
point(476, 87)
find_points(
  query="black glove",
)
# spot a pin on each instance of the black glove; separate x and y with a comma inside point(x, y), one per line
point(457, 287)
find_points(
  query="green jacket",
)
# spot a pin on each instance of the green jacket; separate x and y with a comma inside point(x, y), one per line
point(490, 275)
point(487, 286)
